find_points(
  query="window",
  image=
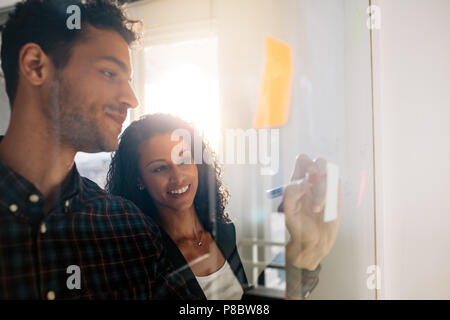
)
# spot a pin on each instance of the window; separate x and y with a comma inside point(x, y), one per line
point(181, 78)
point(94, 166)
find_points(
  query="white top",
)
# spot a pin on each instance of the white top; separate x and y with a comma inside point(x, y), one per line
point(221, 285)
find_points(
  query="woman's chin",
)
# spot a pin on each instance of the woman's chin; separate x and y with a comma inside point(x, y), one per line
point(180, 206)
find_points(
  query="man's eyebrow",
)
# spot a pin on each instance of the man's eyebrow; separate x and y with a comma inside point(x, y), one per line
point(121, 65)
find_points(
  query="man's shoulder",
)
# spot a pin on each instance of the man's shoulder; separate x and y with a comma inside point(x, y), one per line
point(107, 206)
point(93, 192)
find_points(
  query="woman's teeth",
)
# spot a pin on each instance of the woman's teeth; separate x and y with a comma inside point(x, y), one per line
point(179, 191)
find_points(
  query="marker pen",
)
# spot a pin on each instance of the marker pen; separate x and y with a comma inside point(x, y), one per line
point(278, 192)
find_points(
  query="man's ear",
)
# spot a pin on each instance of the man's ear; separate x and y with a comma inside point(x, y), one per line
point(34, 64)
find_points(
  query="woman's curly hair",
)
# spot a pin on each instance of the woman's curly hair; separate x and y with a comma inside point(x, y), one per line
point(122, 178)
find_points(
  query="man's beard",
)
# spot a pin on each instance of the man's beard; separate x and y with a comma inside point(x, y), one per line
point(74, 124)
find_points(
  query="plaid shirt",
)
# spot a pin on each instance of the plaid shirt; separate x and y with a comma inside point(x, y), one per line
point(118, 250)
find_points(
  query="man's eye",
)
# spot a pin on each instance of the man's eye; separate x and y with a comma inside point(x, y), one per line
point(109, 74)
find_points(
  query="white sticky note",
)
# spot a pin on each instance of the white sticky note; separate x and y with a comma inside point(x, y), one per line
point(331, 201)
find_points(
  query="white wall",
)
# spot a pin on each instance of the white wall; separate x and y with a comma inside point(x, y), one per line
point(4, 111)
point(412, 81)
point(4, 106)
point(8, 3)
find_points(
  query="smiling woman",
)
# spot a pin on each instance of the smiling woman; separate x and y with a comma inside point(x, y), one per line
point(186, 199)
point(144, 158)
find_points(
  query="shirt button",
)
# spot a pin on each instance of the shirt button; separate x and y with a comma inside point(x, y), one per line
point(43, 228)
point(34, 198)
point(13, 207)
point(51, 295)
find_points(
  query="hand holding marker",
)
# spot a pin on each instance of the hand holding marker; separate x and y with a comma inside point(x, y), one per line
point(332, 186)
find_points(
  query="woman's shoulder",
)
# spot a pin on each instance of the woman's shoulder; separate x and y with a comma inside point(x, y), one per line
point(228, 227)
point(225, 233)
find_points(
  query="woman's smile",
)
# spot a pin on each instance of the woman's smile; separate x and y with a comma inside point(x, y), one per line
point(179, 192)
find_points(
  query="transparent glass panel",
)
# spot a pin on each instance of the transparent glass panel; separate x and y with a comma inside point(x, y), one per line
point(330, 116)
point(223, 65)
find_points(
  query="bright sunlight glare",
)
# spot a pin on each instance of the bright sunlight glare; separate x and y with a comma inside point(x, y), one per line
point(186, 84)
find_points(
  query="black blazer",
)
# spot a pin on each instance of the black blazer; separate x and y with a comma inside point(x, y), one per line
point(225, 239)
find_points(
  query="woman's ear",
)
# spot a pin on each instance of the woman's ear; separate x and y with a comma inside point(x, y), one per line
point(34, 65)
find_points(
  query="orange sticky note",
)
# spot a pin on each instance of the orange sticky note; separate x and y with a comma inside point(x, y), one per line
point(274, 106)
